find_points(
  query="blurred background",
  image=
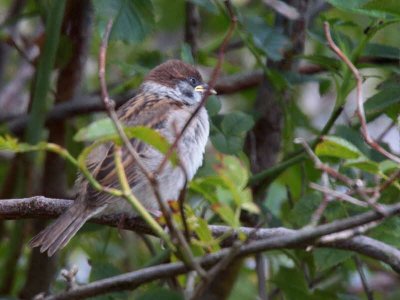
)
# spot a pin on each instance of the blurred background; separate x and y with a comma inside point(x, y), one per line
point(278, 81)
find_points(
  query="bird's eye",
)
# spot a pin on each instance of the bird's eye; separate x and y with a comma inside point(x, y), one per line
point(193, 81)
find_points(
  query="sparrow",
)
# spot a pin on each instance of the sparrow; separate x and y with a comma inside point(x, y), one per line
point(165, 101)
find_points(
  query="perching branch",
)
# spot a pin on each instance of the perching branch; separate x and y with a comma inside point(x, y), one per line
point(42, 207)
point(132, 280)
point(261, 240)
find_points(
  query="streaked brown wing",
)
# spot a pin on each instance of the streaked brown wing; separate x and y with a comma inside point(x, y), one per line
point(145, 110)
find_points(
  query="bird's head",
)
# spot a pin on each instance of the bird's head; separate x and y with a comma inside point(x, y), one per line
point(177, 80)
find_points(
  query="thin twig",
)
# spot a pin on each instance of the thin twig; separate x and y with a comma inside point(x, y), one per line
point(184, 248)
point(110, 105)
point(298, 239)
point(349, 233)
point(364, 281)
point(392, 178)
point(261, 276)
point(360, 100)
point(317, 215)
point(357, 185)
point(338, 195)
point(223, 263)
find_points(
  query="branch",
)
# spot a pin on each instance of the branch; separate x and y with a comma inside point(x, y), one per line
point(360, 100)
point(230, 84)
point(42, 207)
point(131, 280)
point(81, 104)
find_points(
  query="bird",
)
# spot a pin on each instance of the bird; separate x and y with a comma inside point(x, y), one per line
point(166, 99)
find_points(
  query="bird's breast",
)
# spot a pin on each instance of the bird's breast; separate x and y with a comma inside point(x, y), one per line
point(193, 142)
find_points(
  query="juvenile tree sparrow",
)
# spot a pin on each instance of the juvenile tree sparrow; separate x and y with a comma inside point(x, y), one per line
point(166, 99)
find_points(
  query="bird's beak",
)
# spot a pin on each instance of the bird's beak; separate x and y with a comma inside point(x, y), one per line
point(203, 88)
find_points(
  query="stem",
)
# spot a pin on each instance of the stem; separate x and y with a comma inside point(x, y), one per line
point(128, 195)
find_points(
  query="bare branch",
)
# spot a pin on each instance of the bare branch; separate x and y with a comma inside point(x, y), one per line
point(338, 195)
point(130, 281)
point(42, 207)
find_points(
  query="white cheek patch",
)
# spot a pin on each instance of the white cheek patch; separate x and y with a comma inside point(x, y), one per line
point(182, 92)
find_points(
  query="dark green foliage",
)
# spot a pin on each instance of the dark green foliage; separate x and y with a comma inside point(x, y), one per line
point(225, 191)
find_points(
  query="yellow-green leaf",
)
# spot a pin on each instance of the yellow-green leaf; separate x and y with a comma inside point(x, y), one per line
point(388, 165)
point(337, 147)
point(363, 163)
point(104, 130)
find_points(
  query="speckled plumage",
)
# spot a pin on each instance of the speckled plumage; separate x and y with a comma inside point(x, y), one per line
point(165, 101)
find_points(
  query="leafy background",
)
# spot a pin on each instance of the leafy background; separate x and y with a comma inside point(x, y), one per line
point(301, 91)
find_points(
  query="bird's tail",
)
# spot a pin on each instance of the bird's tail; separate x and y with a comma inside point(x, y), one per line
point(59, 233)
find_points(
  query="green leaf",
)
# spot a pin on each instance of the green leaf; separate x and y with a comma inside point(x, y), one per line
point(328, 258)
point(388, 98)
point(388, 165)
point(269, 40)
point(104, 130)
point(230, 138)
point(250, 206)
point(233, 171)
point(388, 232)
point(226, 213)
point(276, 196)
point(337, 147)
point(213, 105)
point(379, 50)
point(186, 54)
point(226, 144)
point(353, 136)
point(329, 63)
point(236, 123)
point(363, 163)
point(133, 19)
point(96, 130)
point(204, 233)
point(304, 208)
point(387, 6)
point(206, 187)
point(292, 283)
point(356, 6)
point(103, 269)
point(207, 5)
point(7, 142)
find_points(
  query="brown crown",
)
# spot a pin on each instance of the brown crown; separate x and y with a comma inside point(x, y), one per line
point(171, 72)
